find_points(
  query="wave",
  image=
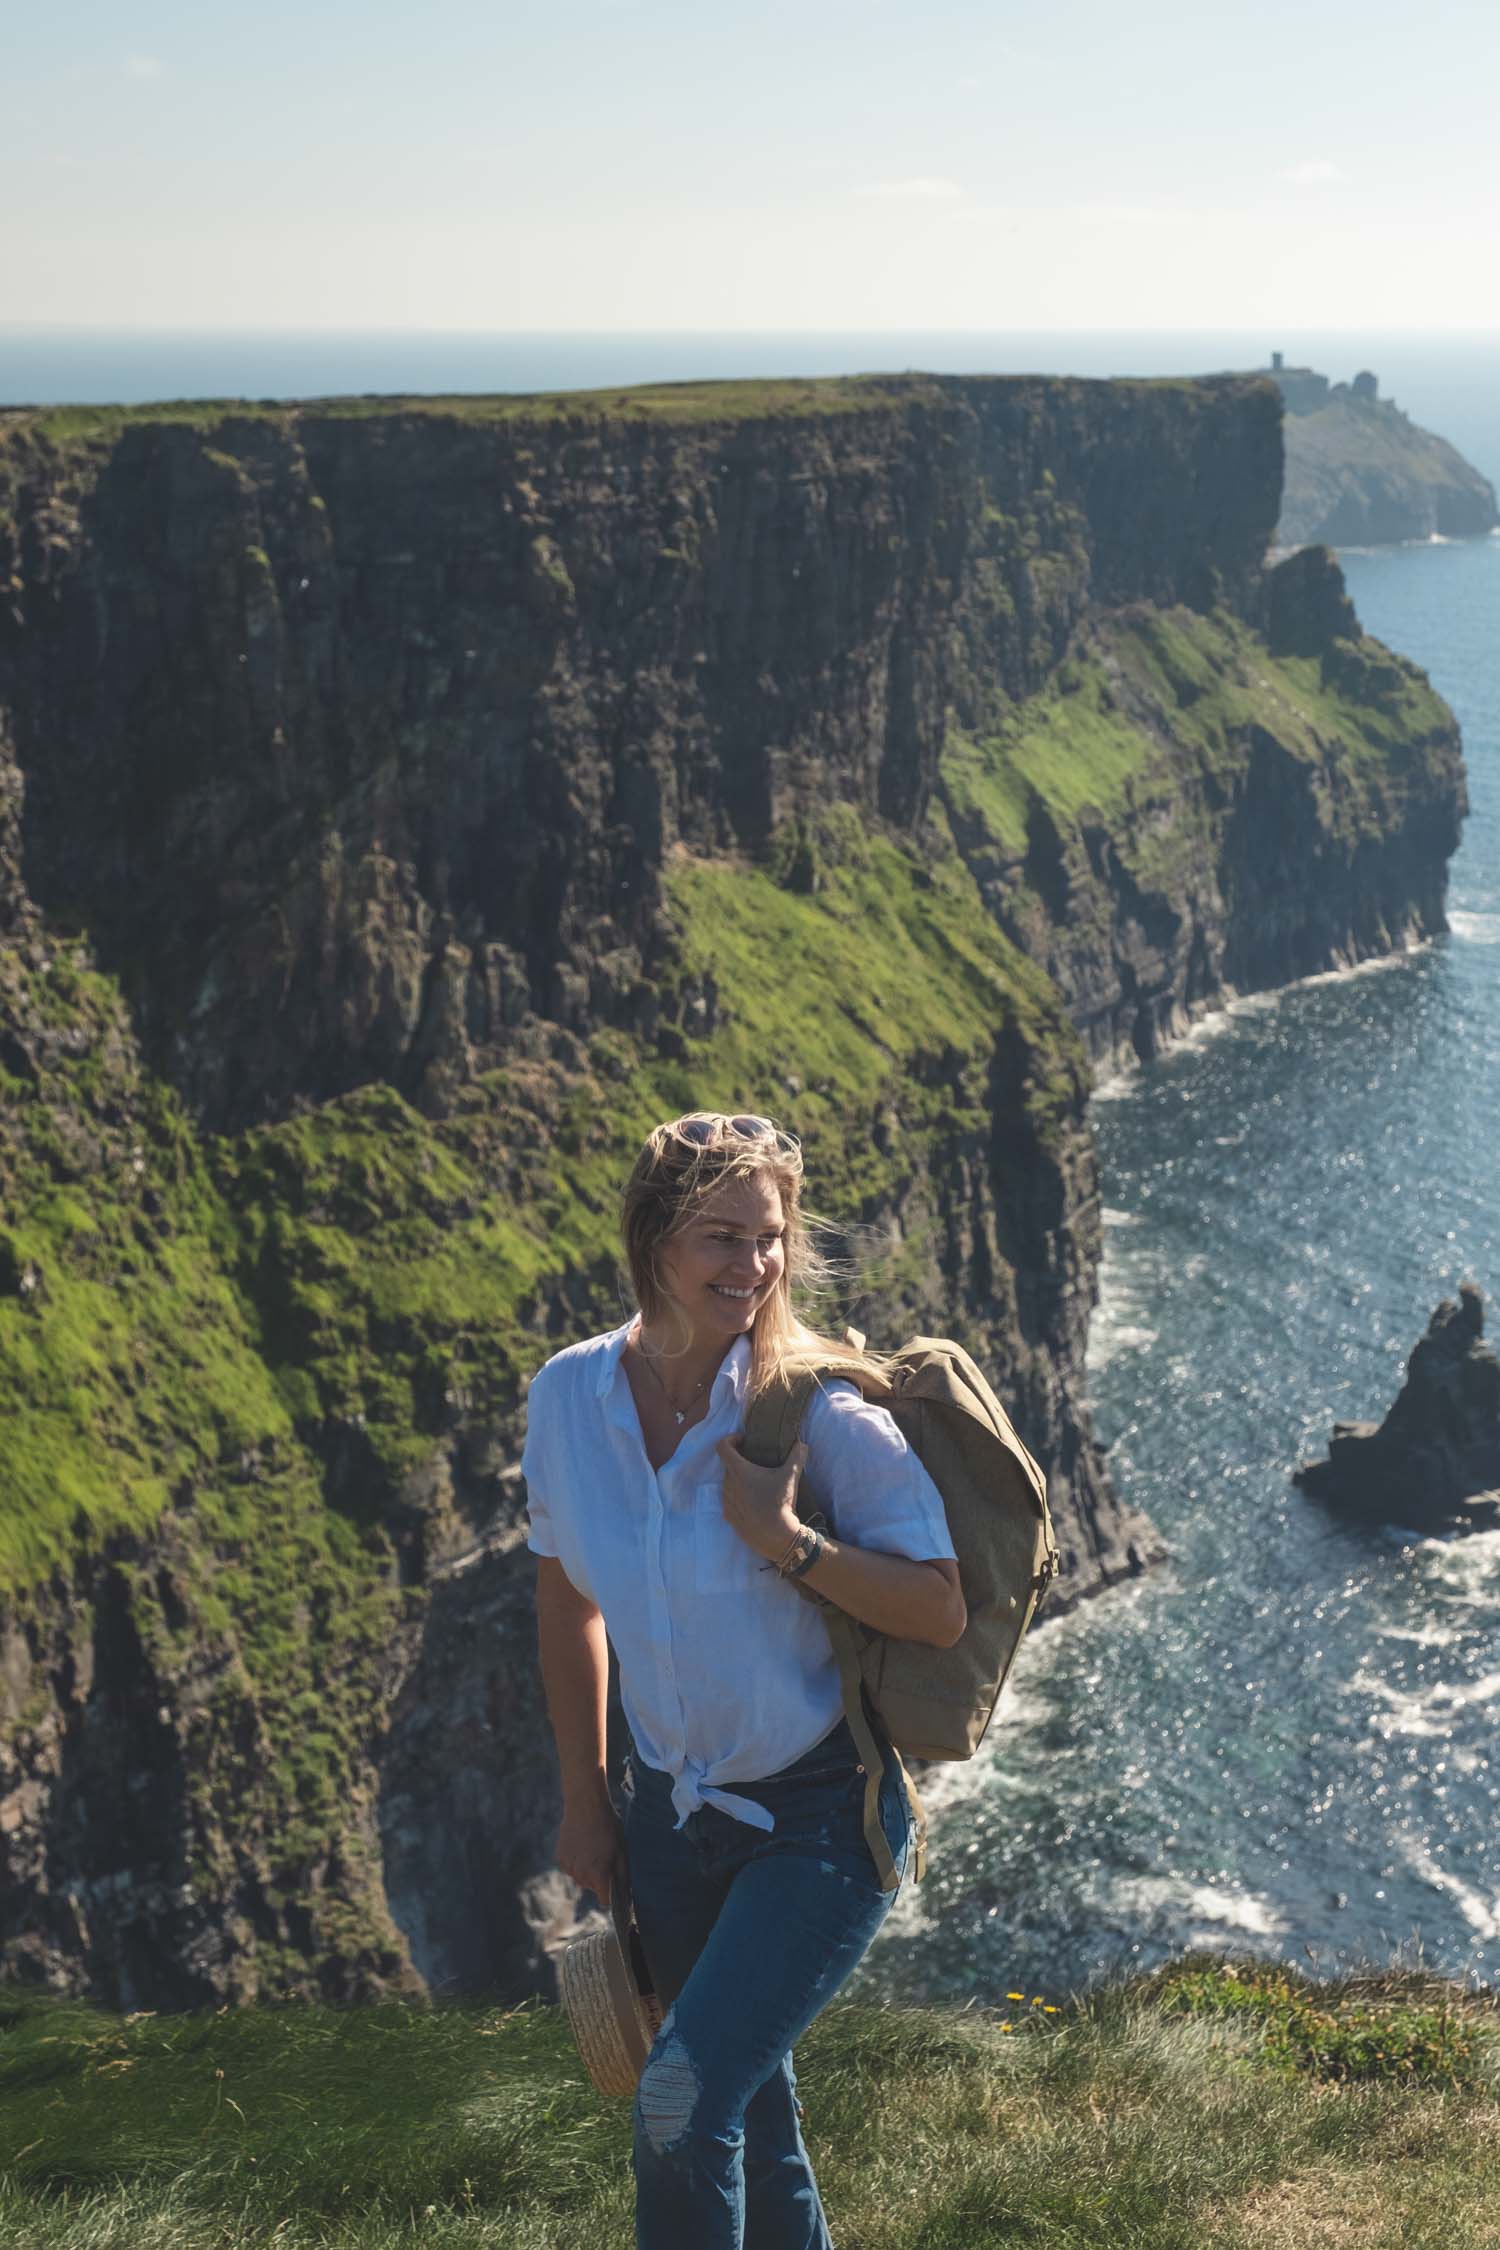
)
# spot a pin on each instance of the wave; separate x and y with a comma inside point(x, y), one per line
point(1475, 929)
point(1109, 1339)
point(1482, 1914)
point(1200, 1912)
point(1427, 1712)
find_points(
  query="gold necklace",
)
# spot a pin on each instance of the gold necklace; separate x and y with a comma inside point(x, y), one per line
point(681, 1412)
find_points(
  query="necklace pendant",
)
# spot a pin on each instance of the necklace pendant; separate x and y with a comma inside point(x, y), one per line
point(681, 1417)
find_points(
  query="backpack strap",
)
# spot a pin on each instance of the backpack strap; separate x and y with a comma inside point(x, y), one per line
point(772, 1428)
point(841, 1632)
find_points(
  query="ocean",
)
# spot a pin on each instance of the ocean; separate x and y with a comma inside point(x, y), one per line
point(1283, 1741)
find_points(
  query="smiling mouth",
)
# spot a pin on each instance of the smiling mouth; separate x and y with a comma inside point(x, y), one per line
point(735, 1296)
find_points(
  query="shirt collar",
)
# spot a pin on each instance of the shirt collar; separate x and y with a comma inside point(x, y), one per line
point(734, 1370)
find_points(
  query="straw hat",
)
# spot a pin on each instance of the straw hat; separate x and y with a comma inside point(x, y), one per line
point(606, 1991)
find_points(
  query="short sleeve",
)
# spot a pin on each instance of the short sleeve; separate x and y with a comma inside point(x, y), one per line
point(536, 1464)
point(874, 1487)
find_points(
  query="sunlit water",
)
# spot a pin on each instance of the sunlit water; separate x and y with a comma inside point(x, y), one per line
point(1285, 1741)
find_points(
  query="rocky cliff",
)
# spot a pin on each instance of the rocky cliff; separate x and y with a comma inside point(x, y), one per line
point(1361, 473)
point(404, 804)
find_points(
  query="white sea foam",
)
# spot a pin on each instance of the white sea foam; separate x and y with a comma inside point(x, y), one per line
point(1425, 1636)
point(1372, 968)
point(1482, 1914)
point(1124, 1079)
point(1211, 1026)
point(1118, 1339)
point(1475, 929)
point(1206, 1910)
point(1466, 1568)
point(1428, 1712)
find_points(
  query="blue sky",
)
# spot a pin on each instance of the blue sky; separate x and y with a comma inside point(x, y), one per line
point(821, 165)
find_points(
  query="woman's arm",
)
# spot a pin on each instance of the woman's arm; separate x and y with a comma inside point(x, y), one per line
point(915, 1601)
point(575, 1675)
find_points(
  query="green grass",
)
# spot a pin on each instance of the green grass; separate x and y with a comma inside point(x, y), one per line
point(673, 403)
point(1154, 698)
point(1121, 2119)
point(682, 403)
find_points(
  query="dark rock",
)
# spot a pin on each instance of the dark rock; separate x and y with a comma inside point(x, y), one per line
point(1433, 1464)
point(1308, 606)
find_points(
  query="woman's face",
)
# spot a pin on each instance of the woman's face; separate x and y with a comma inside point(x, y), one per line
point(721, 1267)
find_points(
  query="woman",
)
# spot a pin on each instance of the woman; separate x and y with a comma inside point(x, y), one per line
point(754, 1887)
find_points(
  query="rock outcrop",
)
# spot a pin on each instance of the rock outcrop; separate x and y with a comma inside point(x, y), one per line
point(1361, 473)
point(1433, 1464)
point(402, 805)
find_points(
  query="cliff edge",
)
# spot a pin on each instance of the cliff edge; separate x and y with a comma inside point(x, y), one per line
point(404, 804)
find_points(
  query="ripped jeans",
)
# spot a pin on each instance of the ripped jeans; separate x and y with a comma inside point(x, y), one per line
point(748, 1935)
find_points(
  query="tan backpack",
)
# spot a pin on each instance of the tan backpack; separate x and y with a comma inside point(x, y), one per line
point(933, 1702)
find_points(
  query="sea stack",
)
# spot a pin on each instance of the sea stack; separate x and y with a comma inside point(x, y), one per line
point(1434, 1462)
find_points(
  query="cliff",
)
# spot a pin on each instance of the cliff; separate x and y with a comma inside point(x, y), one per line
point(402, 805)
point(1360, 473)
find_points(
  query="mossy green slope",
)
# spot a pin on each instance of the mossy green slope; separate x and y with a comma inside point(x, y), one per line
point(1151, 694)
point(178, 1305)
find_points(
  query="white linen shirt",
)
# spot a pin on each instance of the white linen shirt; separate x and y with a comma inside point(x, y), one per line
point(726, 1672)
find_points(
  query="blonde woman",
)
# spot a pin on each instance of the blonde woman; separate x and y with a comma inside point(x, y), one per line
point(754, 1886)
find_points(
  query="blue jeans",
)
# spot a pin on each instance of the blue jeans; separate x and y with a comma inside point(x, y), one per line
point(748, 1935)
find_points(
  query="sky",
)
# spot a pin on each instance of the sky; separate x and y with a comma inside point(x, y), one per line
point(805, 164)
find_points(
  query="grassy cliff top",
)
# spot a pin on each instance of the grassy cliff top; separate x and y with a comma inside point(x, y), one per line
point(1212, 2106)
point(784, 398)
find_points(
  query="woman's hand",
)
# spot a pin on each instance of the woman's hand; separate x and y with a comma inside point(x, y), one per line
point(591, 1845)
point(761, 1504)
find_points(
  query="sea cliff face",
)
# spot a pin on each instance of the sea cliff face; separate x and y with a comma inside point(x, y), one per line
point(402, 806)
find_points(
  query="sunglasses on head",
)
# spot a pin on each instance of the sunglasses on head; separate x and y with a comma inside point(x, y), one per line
point(707, 1131)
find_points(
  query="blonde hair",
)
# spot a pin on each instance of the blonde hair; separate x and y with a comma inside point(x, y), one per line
point(682, 1164)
